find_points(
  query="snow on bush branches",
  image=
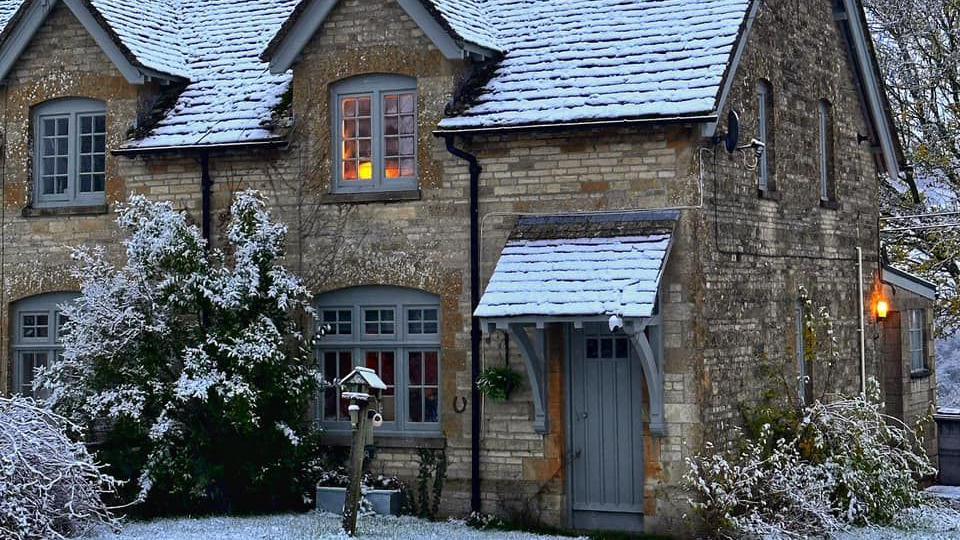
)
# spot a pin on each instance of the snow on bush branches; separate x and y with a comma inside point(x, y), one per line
point(193, 358)
point(845, 463)
point(50, 487)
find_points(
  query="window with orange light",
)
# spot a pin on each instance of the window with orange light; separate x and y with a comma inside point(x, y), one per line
point(375, 133)
point(399, 135)
point(356, 135)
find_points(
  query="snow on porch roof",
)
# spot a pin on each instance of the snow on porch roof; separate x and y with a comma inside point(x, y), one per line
point(612, 268)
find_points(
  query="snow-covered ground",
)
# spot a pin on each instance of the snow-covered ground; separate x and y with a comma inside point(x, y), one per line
point(933, 523)
point(929, 524)
point(303, 527)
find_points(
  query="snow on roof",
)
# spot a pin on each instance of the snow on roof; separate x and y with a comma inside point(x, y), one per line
point(617, 275)
point(368, 376)
point(232, 92)
point(564, 61)
point(216, 46)
point(150, 30)
point(470, 20)
point(8, 8)
point(595, 60)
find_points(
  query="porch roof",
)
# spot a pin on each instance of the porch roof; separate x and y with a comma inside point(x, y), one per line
point(581, 266)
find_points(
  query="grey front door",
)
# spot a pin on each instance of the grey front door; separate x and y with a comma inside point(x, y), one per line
point(606, 435)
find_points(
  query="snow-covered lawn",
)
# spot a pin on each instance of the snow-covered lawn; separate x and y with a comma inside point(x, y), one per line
point(928, 524)
point(920, 524)
point(303, 527)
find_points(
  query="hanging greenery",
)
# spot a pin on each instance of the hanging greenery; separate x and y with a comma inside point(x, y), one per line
point(497, 382)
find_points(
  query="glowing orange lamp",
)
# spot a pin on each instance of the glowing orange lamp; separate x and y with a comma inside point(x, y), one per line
point(882, 309)
point(366, 170)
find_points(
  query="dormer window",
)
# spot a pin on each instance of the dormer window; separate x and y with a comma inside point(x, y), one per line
point(375, 134)
point(70, 137)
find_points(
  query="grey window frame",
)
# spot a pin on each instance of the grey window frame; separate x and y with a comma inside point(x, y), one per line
point(401, 343)
point(376, 86)
point(828, 187)
point(73, 109)
point(766, 182)
point(47, 304)
point(917, 339)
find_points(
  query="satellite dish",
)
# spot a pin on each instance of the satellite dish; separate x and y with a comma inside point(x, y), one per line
point(732, 140)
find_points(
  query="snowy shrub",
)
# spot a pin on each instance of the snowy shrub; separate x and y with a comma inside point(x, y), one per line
point(846, 463)
point(340, 477)
point(194, 359)
point(50, 487)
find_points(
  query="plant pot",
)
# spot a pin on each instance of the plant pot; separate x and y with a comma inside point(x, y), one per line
point(384, 501)
point(331, 499)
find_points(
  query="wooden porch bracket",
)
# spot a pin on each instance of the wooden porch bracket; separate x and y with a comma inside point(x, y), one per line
point(652, 372)
point(534, 356)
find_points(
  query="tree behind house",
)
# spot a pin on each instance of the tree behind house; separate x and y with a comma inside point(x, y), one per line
point(190, 364)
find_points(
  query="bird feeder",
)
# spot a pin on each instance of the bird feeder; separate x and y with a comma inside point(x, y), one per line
point(361, 385)
point(363, 388)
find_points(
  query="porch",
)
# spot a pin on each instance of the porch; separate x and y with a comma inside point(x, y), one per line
point(593, 284)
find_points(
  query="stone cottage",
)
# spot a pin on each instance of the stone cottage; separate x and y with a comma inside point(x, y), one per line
point(619, 199)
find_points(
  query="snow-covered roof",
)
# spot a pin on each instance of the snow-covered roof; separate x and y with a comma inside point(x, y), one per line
point(611, 267)
point(577, 60)
point(602, 60)
point(150, 30)
point(470, 20)
point(909, 282)
point(367, 376)
point(231, 94)
point(214, 45)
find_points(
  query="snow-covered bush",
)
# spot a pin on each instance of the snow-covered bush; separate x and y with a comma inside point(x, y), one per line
point(195, 359)
point(846, 463)
point(50, 486)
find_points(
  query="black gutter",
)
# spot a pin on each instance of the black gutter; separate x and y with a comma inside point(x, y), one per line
point(475, 170)
point(135, 151)
point(585, 124)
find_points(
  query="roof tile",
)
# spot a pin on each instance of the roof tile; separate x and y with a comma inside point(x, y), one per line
point(564, 60)
point(596, 60)
point(617, 275)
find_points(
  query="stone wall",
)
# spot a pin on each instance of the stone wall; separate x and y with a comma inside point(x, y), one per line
point(757, 251)
point(62, 61)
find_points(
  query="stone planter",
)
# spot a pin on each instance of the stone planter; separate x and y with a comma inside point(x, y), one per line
point(384, 501)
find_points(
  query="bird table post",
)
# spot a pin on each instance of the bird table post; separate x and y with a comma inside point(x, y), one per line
point(363, 388)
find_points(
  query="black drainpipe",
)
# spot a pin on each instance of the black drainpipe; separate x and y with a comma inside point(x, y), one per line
point(206, 193)
point(475, 170)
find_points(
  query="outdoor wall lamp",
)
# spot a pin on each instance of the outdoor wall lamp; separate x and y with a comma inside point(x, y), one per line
point(883, 307)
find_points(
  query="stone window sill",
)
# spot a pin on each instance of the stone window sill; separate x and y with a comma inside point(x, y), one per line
point(920, 374)
point(389, 440)
point(830, 205)
point(371, 197)
point(769, 194)
point(90, 210)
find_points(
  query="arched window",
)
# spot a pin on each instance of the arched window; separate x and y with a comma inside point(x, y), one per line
point(374, 133)
point(37, 329)
point(765, 134)
point(394, 331)
point(828, 189)
point(70, 152)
